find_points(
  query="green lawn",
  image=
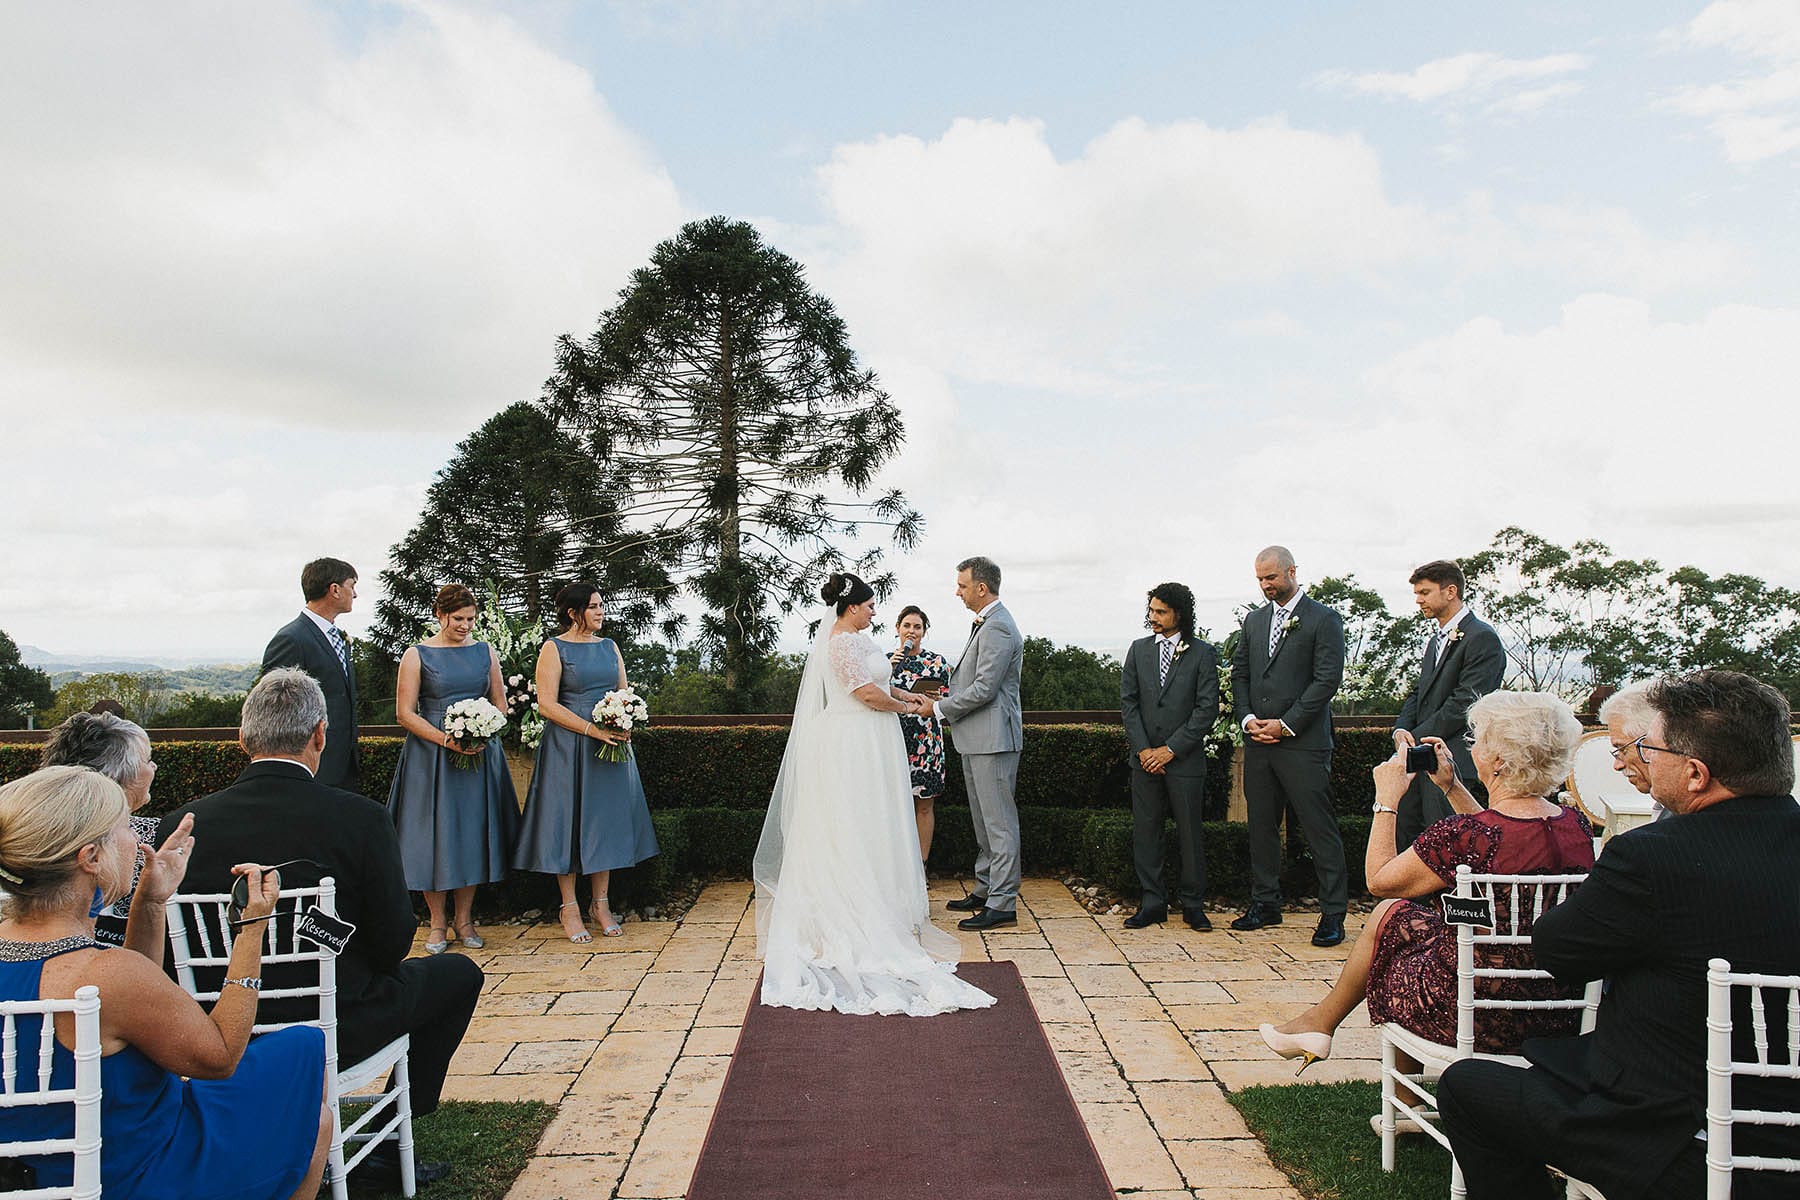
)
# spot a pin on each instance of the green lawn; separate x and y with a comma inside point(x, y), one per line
point(1319, 1134)
point(488, 1144)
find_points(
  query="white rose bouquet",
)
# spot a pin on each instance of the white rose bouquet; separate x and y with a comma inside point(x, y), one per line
point(469, 724)
point(621, 711)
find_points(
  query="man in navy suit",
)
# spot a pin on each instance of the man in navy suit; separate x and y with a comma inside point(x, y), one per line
point(1288, 665)
point(1463, 662)
point(1622, 1107)
point(313, 642)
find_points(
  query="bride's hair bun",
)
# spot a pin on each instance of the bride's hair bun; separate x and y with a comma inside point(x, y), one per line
point(835, 587)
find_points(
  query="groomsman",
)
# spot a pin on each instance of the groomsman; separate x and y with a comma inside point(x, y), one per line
point(313, 642)
point(1463, 662)
point(982, 717)
point(1288, 665)
point(1169, 694)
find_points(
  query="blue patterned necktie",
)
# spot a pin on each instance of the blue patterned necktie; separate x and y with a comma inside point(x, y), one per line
point(1437, 646)
point(1168, 656)
point(342, 646)
point(1277, 630)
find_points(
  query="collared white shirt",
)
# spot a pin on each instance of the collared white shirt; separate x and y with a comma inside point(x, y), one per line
point(1172, 640)
point(1444, 629)
point(278, 758)
point(991, 605)
point(325, 627)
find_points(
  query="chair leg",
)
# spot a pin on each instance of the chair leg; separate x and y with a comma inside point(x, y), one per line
point(403, 1098)
point(1457, 1190)
point(1387, 1105)
point(334, 1165)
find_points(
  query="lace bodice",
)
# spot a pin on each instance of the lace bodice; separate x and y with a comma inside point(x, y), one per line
point(856, 660)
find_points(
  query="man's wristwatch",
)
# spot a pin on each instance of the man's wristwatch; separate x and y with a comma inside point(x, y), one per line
point(1379, 807)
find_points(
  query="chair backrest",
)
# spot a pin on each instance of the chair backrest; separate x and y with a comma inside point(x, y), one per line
point(1722, 1067)
point(85, 1095)
point(1518, 901)
point(200, 936)
point(1592, 777)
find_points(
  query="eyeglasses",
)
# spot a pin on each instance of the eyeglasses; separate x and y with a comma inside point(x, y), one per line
point(1642, 746)
point(1468, 738)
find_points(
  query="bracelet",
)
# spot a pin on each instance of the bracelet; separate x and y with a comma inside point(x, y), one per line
point(250, 983)
point(1382, 808)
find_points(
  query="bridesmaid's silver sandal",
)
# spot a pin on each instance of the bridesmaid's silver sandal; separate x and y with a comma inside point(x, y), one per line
point(608, 926)
point(470, 938)
point(582, 938)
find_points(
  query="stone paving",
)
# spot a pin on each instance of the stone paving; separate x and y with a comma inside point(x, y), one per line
point(630, 1036)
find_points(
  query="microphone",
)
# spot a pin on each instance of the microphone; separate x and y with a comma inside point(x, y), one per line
point(906, 646)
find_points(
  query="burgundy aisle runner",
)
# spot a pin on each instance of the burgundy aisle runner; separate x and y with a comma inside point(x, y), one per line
point(968, 1105)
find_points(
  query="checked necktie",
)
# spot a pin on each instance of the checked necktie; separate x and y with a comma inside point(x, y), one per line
point(1168, 656)
point(1277, 630)
point(342, 645)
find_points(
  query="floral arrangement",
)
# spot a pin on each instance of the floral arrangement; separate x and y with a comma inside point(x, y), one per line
point(515, 640)
point(522, 708)
point(470, 723)
point(621, 711)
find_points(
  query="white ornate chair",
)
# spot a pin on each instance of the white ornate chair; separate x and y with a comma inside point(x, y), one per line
point(84, 1095)
point(205, 919)
point(1722, 1067)
point(1612, 805)
point(1510, 896)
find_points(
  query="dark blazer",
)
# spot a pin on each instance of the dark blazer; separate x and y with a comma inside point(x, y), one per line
point(1296, 685)
point(275, 812)
point(1438, 705)
point(300, 643)
point(1661, 901)
point(1178, 714)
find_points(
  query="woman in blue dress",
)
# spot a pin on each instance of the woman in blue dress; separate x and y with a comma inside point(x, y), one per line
point(455, 820)
point(250, 1119)
point(582, 816)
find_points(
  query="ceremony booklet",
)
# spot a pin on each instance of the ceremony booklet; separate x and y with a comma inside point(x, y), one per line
point(931, 686)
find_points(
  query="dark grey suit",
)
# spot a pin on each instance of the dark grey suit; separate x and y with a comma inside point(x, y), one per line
point(1472, 665)
point(1618, 1108)
point(301, 643)
point(1295, 687)
point(1178, 714)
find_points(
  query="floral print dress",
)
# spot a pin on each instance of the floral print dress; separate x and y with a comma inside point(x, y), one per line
point(924, 735)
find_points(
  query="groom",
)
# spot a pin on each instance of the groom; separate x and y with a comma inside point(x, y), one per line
point(980, 709)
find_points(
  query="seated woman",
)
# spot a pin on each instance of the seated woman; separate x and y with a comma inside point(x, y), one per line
point(250, 1118)
point(1404, 961)
point(120, 750)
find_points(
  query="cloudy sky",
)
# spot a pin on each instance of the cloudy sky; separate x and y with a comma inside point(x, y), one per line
point(1153, 286)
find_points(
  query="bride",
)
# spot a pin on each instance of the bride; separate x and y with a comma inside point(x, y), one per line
point(841, 915)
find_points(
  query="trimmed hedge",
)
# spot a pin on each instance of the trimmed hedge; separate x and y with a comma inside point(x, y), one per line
point(709, 786)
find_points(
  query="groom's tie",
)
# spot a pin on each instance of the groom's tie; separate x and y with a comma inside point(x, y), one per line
point(1168, 656)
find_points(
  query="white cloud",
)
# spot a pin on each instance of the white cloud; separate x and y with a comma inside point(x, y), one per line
point(1512, 85)
point(1756, 114)
point(250, 210)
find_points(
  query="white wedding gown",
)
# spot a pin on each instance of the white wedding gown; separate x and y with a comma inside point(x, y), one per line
point(842, 919)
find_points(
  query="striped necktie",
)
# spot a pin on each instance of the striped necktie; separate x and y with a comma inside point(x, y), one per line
point(1277, 630)
point(1168, 656)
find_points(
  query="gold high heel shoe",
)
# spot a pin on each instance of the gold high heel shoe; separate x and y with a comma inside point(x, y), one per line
point(1308, 1047)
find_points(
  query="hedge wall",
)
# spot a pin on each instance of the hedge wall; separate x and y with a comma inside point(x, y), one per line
point(708, 788)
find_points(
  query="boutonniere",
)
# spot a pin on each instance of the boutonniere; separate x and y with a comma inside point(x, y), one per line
point(1292, 624)
point(1456, 635)
point(1180, 649)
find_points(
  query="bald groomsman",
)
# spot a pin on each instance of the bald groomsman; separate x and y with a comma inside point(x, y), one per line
point(1288, 665)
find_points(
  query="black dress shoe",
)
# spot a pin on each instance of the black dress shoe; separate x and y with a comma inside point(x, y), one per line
point(967, 904)
point(988, 918)
point(382, 1169)
point(1330, 931)
point(1196, 919)
point(1145, 917)
point(1259, 914)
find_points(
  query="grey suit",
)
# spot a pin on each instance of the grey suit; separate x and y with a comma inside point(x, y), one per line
point(1296, 687)
point(1177, 713)
point(300, 643)
point(1472, 665)
point(982, 717)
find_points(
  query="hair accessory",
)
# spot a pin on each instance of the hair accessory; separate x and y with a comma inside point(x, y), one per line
point(15, 880)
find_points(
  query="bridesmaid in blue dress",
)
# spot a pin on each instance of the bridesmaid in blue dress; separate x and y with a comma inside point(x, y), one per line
point(582, 816)
point(455, 821)
point(190, 1107)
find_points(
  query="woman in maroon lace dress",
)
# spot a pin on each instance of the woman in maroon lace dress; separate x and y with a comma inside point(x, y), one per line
point(1404, 962)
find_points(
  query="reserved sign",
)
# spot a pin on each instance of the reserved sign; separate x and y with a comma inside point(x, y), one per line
point(1468, 910)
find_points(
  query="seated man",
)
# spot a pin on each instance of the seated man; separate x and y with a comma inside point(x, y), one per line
point(276, 812)
point(1621, 1108)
